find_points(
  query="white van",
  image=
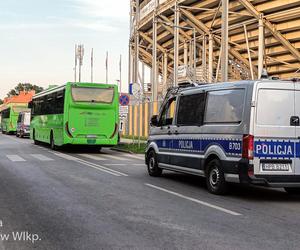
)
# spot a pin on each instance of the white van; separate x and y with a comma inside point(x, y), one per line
point(23, 124)
point(245, 132)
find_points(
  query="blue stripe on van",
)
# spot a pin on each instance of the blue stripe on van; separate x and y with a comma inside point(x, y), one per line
point(229, 146)
point(276, 149)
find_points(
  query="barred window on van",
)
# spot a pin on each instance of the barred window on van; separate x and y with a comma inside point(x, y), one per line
point(191, 110)
point(225, 106)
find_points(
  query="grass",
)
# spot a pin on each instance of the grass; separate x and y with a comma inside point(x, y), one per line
point(133, 147)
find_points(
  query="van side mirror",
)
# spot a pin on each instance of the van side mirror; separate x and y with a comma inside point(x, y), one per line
point(154, 121)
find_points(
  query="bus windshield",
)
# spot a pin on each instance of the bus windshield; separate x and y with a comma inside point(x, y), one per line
point(101, 95)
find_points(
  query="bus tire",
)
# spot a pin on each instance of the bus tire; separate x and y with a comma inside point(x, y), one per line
point(292, 190)
point(152, 164)
point(52, 142)
point(215, 178)
point(34, 139)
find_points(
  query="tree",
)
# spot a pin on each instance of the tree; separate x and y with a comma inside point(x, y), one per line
point(24, 87)
point(1, 102)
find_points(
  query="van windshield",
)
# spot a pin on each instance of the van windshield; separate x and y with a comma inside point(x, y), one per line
point(99, 95)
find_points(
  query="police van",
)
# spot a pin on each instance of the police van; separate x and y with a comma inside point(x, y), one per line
point(244, 132)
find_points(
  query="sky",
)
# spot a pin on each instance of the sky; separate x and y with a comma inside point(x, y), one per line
point(38, 39)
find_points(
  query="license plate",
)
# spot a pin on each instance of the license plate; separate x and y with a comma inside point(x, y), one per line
point(276, 166)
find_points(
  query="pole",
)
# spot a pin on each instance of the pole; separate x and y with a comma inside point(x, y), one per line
point(75, 67)
point(195, 55)
point(210, 57)
point(154, 56)
point(120, 68)
point(204, 58)
point(224, 41)
point(92, 65)
point(261, 45)
point(249, 53)
point(176, 43)
point(106, 68)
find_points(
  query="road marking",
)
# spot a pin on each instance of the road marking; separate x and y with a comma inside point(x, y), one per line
point(115, 164)
point(41, 157)
point(114, 157)
point(90, 164)
point(15, 158)
point(194, 200)
point(93, 157)
point(139, 164)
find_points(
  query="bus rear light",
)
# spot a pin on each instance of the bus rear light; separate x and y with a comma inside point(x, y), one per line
point(248, 147)
point(115, 131)
point(68, 131)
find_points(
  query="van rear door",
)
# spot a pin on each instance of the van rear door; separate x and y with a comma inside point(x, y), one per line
point(274, 134)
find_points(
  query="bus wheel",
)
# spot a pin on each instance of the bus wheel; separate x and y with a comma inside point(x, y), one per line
point(152, 165)
point(292, 190)
point(52, 143)
point(34, 139)
point(215, 179)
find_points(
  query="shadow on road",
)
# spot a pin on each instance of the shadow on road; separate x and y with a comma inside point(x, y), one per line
point(242, 192)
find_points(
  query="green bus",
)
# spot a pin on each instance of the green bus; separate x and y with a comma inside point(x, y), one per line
point(76, 113)
point(9, 117)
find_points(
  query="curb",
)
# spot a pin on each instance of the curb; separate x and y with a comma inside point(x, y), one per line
point(122, 150)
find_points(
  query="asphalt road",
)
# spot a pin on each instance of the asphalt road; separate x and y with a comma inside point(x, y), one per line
point(85, 200)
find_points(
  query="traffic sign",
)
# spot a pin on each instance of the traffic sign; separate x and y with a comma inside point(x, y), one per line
point(124, 100)
point(123, 109)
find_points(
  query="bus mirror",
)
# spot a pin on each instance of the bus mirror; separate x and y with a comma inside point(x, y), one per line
point(154, 121)
point(30, 105)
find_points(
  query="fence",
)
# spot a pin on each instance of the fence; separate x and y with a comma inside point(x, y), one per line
point(138, 119)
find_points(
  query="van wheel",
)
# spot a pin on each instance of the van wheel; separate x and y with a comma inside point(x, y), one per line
point(52, 143)
point(215, 179)
point(292, 190)
point(152, 165)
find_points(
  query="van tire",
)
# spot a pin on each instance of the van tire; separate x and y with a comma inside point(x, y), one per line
point(215, 179)
point(292, 190)
point(152, 164)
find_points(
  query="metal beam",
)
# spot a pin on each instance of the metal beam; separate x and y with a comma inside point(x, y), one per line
point(271, 28)
point(197, 23)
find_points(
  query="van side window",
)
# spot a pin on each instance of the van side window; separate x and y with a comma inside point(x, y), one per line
point(167, 113)
point(191, 110)
point(225, 106)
